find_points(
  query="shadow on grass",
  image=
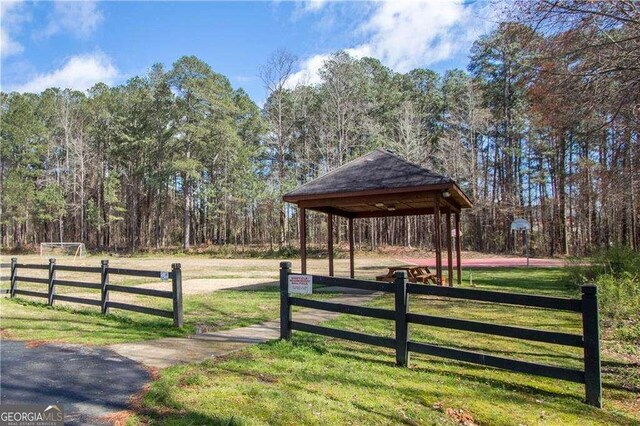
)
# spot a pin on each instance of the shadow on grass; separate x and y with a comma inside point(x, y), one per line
point(353, 354)
point(372, 355)
point(186, 417)
point(379, 268)
point(111, 325)
point(546, 280)
point(478, 374)
point(627, 376)
point(314, 364)
point(267, 287)
point(390, 418)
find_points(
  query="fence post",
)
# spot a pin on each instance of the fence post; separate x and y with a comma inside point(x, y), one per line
point(402, 330)
point(14, 272)
point(176, 281)
point(591, 336)
point(285, 308)
point(52, 277)
point(104, 280)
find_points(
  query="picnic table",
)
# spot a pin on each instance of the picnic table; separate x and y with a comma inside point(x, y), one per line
point(415, 274)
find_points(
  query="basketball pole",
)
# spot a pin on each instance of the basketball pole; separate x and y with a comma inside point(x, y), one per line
point(526, 244)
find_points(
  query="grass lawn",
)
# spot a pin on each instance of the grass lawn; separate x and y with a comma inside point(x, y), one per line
point(26, 320)
point(317, 380)
point(312, 380)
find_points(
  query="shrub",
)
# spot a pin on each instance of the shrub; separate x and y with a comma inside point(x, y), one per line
point(616, 261)
point(619, 296)
point(616, 272)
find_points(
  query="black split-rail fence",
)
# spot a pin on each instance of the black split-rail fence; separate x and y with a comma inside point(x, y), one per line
point(18, 274)
point(587, 306)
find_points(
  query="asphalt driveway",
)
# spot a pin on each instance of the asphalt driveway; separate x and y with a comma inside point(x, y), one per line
point(89, 382)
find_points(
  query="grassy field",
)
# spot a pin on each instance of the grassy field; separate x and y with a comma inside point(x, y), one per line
point(205, 304)
point(212, 299)
point(315, 380)
point(312, 380)
point(219, 294)
point(27, 320)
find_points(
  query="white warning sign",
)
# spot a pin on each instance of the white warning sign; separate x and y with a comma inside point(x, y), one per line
point(301, 284)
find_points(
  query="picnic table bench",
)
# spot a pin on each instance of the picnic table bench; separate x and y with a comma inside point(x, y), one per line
point(415, 274)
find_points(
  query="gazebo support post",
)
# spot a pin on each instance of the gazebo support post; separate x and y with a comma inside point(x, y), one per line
point(351, 260)
point(458, 249)
point(436, 218)
point(330, 242)
point(449, 254)
point(303, 240)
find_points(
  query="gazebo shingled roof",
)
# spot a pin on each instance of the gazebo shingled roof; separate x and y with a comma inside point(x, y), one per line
point(382, 184)
point(378, 184)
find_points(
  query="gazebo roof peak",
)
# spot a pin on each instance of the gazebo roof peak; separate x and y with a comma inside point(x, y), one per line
point(380, 169)
point(378, 182)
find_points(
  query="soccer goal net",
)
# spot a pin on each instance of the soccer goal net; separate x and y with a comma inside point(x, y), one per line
point(62, 249)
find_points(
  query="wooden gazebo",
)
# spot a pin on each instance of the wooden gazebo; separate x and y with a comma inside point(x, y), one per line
point(382, 184)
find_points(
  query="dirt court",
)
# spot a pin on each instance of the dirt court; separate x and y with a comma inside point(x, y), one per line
point(203, 275)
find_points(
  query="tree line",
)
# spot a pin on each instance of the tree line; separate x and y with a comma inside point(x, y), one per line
point(543, 125)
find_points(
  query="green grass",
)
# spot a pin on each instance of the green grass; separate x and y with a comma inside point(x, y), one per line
point(545, 281)
point(311, 380)
point(26, 320)
point(316, 380)
point(21, 319)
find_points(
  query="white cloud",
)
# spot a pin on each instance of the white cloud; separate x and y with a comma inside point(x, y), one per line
point(243, 78)
point(11, 16)
point(406, 34)
point(79, 72)
point(80, 18)
point(8, 46)
point(313, 5)
point(303, 7)
point(309, 71)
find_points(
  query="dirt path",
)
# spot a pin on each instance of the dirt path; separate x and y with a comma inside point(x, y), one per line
point(208, 285)
point(166, 352)
point(189, 287)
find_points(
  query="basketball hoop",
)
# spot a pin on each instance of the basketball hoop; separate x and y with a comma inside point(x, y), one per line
point(522, 225)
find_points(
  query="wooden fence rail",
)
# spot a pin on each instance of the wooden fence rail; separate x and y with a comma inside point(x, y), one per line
point(103, 272)
point(589, 340)
point(4, 277)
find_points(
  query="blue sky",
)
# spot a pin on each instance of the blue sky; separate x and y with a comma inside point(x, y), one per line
point(76, 44)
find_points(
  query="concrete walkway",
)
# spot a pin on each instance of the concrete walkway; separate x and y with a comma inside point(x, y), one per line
point(162, 353)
